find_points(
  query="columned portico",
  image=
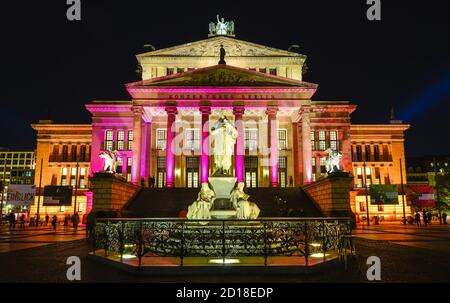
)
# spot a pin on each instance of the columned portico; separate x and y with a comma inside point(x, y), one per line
point(137, 139)
point(238, 112)
point(204, 160)
point(170, 157)
point(273, 144)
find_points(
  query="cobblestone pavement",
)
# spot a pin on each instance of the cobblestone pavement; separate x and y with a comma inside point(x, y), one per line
point(402, 260)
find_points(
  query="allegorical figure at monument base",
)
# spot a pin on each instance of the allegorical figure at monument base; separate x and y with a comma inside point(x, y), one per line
point(201, 208)
point(245, 209)
point(225, 135)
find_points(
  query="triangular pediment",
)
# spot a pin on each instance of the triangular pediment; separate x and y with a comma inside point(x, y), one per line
point(223, 75)
point(210, 48)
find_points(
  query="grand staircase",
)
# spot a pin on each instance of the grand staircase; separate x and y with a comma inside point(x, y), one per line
point(168, 202)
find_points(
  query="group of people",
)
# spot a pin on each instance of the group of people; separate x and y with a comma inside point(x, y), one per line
point(12, 219)
point(425, 217)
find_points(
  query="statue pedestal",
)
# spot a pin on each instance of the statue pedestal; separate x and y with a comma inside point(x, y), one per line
point(222, 187)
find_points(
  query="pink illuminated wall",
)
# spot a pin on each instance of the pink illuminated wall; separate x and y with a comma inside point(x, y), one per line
point(206, 111)
point(273, 141)
point(170, 157)
point(239, 151)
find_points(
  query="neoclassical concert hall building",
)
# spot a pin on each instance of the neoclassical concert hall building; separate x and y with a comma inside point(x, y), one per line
point(162, 131)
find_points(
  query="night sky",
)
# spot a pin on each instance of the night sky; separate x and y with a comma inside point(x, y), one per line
point(51, 67)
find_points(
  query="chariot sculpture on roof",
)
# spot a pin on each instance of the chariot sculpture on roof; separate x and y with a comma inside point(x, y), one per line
point(221, 27)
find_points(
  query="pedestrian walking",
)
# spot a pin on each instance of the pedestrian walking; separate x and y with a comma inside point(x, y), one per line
point(75, 220)
point(90, 224)
point(444, 218)
point(291, 181)
point(12, 220)
point(54, 221)
point(22, 221)
point(47, 218)
point(424, 217)
point(417, 219)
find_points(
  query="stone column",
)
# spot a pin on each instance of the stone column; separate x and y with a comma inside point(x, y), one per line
point(170, 157)
point(204, 163)
point(96, 146)
point(146, 150)
point(238, 112)
point(273, 143)
point(137, 138)
point(346, 149)
point(306, 147)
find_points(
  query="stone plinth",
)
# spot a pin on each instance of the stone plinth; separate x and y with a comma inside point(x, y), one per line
point(332, 194)
point(111, 192)
point(222, 187)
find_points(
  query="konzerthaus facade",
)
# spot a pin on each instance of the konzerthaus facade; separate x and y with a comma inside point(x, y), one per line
point(162, 132)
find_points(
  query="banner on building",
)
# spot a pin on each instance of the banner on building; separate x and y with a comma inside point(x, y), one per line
point(57, 195)
point(384, 194)
point(20, 195)
point(420, 196)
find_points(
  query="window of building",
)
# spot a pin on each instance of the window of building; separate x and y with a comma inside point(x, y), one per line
point(161, 138)
point(358, 153)
point(313, 140)
point(65, 153)
point(160, 172)
point(180, 70)
point(323, 168)
point(376, 153)
point(386, 156)
point(282, 139)
point(81, 182)
point(252, 69)
point(83, 157)
point(377, 177)
point(322, 140)
point(282, 171)
point(251, 139)
point(367, 153)
point(192, 171)
point(73, 153)
point(130, 140)
point(170, 71)
point(334, 140)
point(273, 71)
point(64, 176)
point(380, 207)
point(314, 169)
point(192, 138)
point(263, 70)
point(120, 140)
point(362, 206)
point(73, 173)
point(109, 135)
point(80, 207)
point(368, 177)
point(251, 171)
point(359, 177)
point(129, 165)
point(119, 165)
point(62, 209)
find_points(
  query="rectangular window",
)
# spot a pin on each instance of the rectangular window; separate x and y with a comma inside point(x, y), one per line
point(130, 140)
point(251, 171)
point(376, 153)
point(313, 140)
point(251, 139)
point(192, 172)
point(359, 179)
point(380, 207)
point(119, 165)
point(65, 153)
point(358, 153)
point(64, 176)
point(362, 206)
point(180, 70)
point(74, 153)
point(160, 172)
point(282, 171)
point(334, 140)
point(83, 157)
point(81, 182)
point(367, 153)
point(273, 71)
point(377, 179)
point(322, 140)
point(161, 138)
point(193, 138)
point(282, 139)
point(170, 71)
point(368, 177)
point(323, 169)
point(314, 169)
point(263, 70)
point(109, 135)
point(120, 140)
point(386, 156)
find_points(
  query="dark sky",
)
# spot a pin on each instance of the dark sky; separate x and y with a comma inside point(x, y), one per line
point(51, 67)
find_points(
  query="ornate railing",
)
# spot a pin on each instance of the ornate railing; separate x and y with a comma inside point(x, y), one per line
point(223, 239)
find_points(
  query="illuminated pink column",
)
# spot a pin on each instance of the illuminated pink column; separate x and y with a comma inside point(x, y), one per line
point(273, 143)
point(96, 146)
point(238, 112)
point(306, 146)
point(204, 173)
point(137, 138)
point(170, 157)
point(89, 201)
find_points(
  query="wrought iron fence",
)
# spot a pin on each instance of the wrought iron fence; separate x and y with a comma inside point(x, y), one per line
point(180, 238)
